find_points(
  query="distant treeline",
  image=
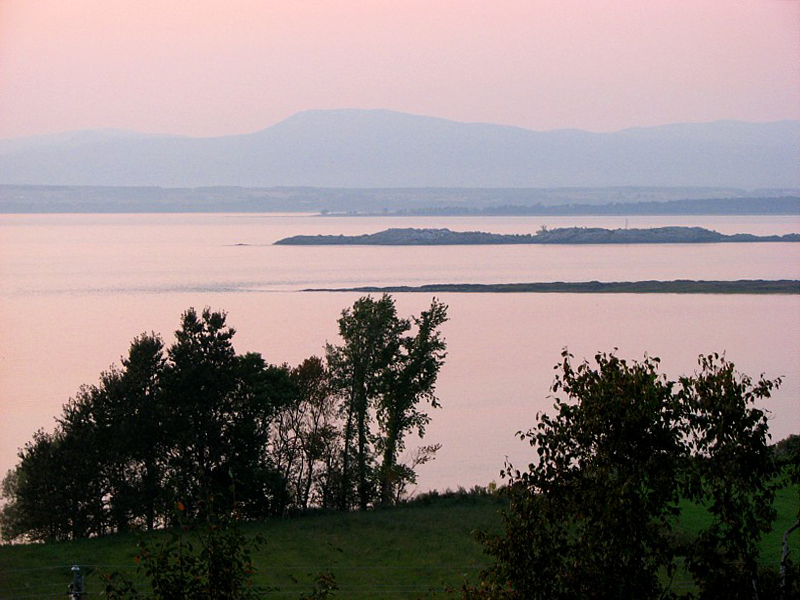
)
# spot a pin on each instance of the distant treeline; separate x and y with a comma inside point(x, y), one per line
point(198, 425)
point(400, 201)
point(717, 206)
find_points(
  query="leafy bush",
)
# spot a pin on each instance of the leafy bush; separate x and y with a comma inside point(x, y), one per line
point(217, 567)
point(595, 516)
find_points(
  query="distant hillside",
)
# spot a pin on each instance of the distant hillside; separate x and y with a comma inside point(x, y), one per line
point(377, 148)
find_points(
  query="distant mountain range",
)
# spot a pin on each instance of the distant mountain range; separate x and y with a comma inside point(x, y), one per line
point(380, 149)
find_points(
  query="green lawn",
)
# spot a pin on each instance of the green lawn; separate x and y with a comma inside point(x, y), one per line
point(694, 518)
point(406, 552)
point(403, 552)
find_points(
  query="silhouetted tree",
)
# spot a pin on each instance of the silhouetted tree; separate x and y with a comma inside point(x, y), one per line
point(221, 408)
point(127, 411)
point(100, 470)
point(380, 369)
point(200, 424)
point(316, 433)
point(593, 517)
point(39, 499)
point(409, 378)
point(371, 334)
point(733, 472)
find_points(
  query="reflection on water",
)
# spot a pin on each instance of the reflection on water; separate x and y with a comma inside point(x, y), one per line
point(75, 289)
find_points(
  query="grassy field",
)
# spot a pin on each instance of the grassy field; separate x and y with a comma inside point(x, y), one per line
point(694, 518)
point(406, 552)
point(403, 552)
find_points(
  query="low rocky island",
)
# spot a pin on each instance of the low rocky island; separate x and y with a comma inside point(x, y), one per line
point(679, 286)
point(565, 235)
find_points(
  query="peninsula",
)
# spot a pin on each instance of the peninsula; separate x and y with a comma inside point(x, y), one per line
point(679, 286)
point(565, 235)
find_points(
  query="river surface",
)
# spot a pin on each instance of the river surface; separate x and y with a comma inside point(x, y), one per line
point(75, 289)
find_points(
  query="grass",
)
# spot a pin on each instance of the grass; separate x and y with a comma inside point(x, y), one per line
point(405, 552)
point(396, 553)
point(694, 517)
point(411, 551)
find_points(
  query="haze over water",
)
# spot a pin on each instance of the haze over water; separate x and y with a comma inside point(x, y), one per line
point(75, 289)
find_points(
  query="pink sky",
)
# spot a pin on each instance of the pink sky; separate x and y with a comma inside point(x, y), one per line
point(213, 67)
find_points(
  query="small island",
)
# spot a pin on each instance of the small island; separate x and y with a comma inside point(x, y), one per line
point(566, 235)
point(679, 286)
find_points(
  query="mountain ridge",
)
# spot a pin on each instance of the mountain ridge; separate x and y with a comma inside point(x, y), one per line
point(354, 148)
point(303, 114)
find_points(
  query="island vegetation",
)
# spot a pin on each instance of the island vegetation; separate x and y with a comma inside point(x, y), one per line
point(566, 235)
point(639, 486)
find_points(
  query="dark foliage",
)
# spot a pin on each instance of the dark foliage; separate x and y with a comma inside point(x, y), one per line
point(382, 370)
point(594, 516)
point(217, 566)
point(195, 421)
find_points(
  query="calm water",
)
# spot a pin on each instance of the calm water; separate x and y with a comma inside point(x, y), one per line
point(75, 289)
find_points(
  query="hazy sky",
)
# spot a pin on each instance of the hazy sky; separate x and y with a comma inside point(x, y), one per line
point(215, 67)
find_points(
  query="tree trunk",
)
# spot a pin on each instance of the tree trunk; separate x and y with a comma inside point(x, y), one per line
point(387, 469)
point(150, 495)
point(345, 483)
point(363, 484)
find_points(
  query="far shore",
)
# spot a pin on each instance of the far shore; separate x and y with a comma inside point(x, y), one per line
point(680, 286)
